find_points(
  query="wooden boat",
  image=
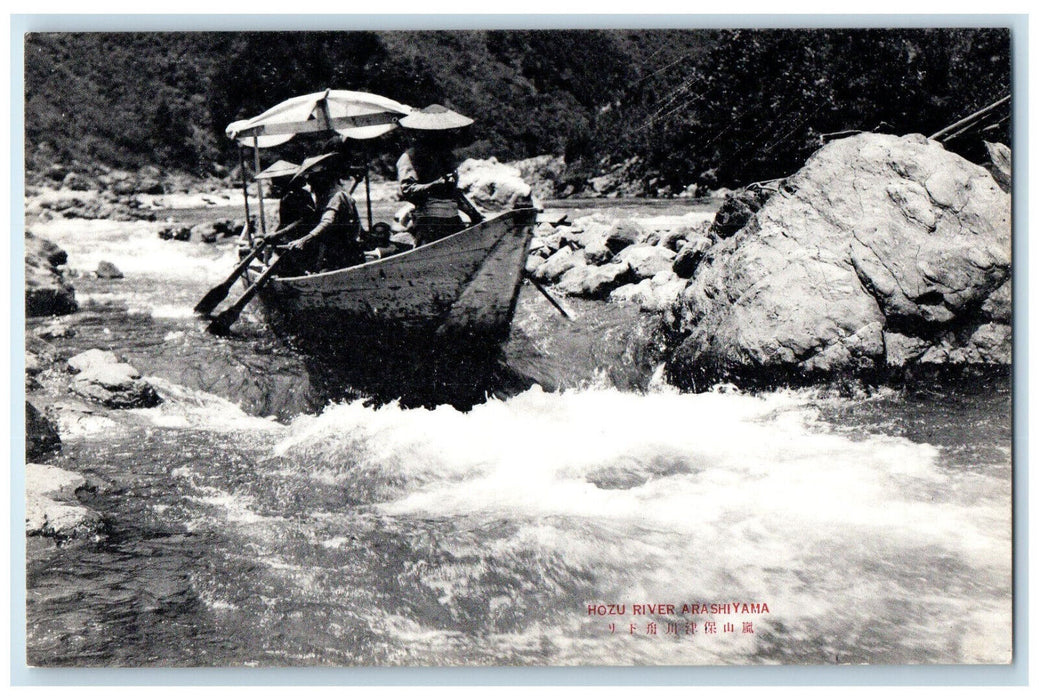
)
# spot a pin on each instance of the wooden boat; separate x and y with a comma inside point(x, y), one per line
point(425, 326)
point(461, 289)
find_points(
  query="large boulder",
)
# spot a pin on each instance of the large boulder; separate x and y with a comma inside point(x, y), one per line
point(492, 185)
point(47, 293)
point(102, 377)
point(877, 241)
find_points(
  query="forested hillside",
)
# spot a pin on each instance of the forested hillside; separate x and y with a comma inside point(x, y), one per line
point(680, 107)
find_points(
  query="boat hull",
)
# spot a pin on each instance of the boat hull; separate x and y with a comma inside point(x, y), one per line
point(461, 289)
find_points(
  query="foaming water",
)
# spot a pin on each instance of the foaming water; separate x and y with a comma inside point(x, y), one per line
point(688, 498)
point(135, 248)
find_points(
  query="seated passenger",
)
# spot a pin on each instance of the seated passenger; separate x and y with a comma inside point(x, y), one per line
point(379, 243)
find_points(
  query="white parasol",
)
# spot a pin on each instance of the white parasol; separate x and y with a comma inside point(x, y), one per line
point(354, 115)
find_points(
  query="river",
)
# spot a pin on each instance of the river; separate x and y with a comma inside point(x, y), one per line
point(252, 520)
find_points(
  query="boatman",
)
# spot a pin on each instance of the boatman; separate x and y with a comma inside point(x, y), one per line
point(296, 213)
point(426, 172)
point(336, 234)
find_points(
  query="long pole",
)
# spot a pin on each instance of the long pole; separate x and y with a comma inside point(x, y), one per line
point(259, 185)
point(245, 196)
point(969, 118)
point(367, 188)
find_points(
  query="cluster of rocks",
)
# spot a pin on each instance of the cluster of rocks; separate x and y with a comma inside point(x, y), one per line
point(70, 204)
point(147, 180)
point(74, 391)
point(622, 261)
point(207, 232)
point(549, 177)
point(881, 254)
point(97, 192)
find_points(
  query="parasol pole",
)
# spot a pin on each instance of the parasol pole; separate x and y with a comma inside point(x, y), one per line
point(259, 185)
point(245, 196)
point(367, 187)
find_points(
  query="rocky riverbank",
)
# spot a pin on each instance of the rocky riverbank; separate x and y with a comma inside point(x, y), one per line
point(64, 393)
point(882, 255)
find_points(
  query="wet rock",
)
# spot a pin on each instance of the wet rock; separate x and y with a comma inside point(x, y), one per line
point(986, 344)
point(90, 359)
point(544, 174)
point(675, 238)
point(556, 265)
point(492, 185)
point(228, 227)
point(690, 255)
point(41, 435)
point(54, 330)
point(103, 378)
point(534, 261)
point(657, 294)
point(205, 233)
point(77, 181)
point(52, 506)
point(1000, 164)
point(622, 234)
point(108, 271)
point(597, 254)
point(880, 245)
point(594, 282)
point(75, 418)
point(46, 291)
point(646, 260)
point(736, 210)
point(998, 306)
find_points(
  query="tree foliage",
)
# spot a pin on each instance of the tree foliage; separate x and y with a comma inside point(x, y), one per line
point(714, 107)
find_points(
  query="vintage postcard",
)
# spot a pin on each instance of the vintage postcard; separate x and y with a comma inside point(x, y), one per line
point(583, 347)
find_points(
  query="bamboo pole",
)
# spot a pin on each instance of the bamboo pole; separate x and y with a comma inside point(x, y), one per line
point(245, 196)
point(259, 185)
point(969, 119)
point(367, 190)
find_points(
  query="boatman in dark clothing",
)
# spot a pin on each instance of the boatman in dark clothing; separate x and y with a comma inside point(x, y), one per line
point(338, 226)
point(296, 213)
point(426, 172)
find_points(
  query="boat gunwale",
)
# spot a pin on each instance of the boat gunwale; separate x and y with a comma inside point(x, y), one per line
point(330, 274)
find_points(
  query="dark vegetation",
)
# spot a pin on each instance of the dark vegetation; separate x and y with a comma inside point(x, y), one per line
point(708, 107)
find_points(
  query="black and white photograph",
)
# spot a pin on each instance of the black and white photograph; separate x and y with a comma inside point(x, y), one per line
point(499, 347)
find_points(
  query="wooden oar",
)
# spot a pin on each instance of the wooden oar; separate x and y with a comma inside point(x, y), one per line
point(223, 322)
point(548, 296)
point(468, 208)
point(218, 293)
